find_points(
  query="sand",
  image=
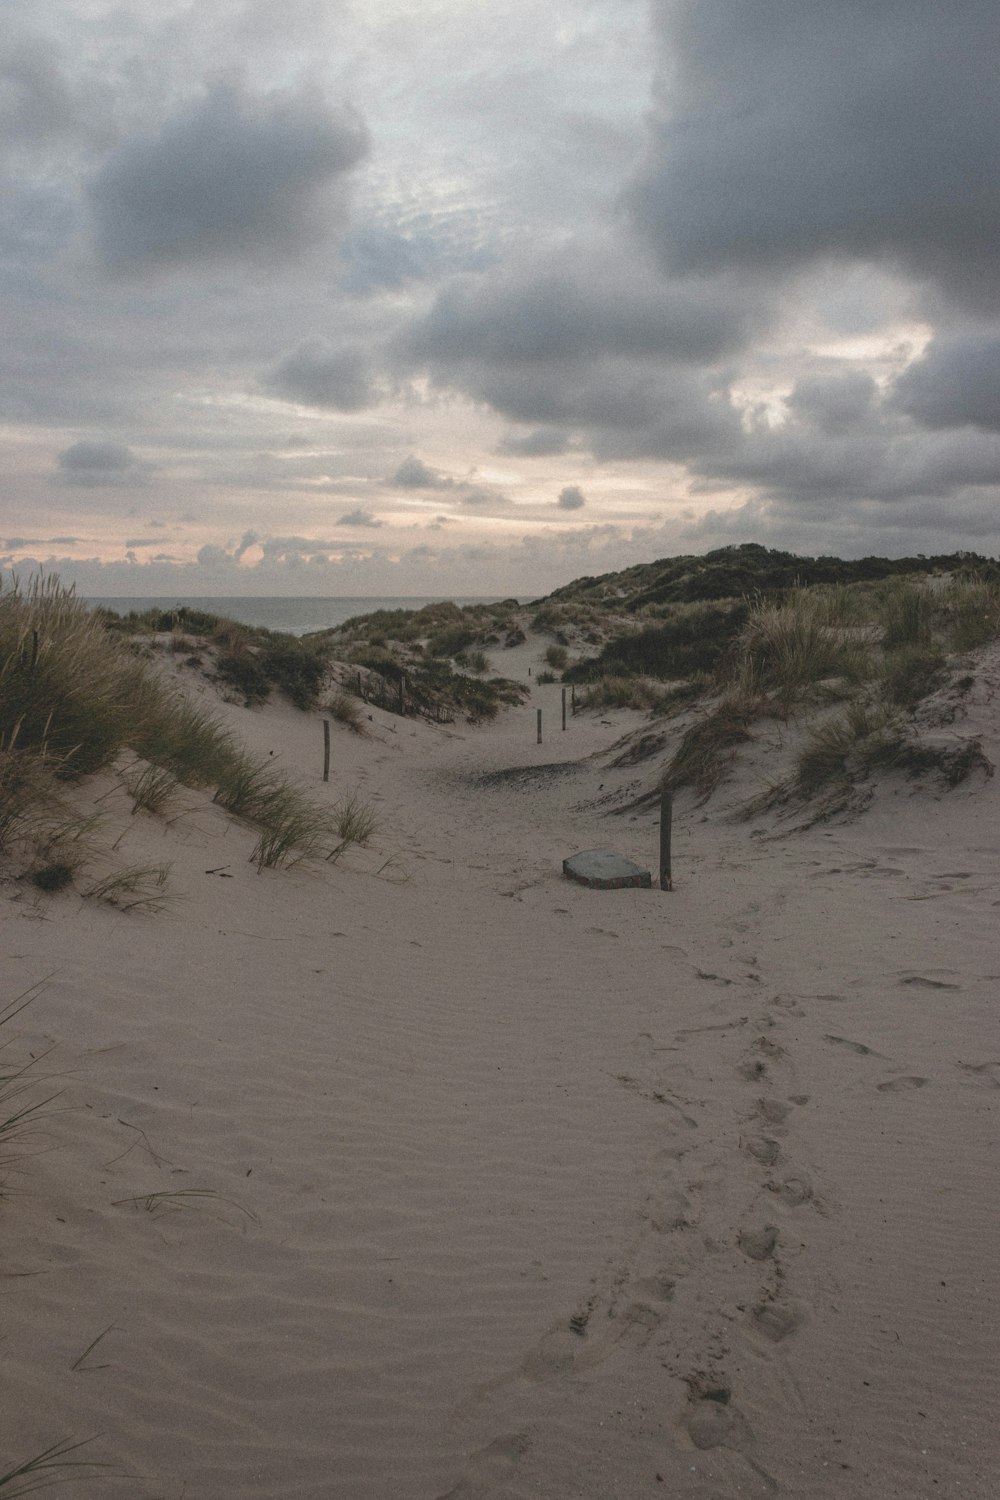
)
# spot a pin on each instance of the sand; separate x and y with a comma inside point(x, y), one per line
point(432, 1173)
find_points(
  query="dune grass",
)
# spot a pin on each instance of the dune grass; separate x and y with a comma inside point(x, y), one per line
point(73, 698)
point(50, 1467)
point(708, 747)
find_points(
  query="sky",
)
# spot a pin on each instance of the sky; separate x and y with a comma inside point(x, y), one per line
point(417, 297)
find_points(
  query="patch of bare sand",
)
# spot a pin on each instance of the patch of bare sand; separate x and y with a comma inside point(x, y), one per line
point(433, 1174)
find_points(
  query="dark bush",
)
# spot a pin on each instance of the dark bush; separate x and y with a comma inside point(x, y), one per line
point(692, 641)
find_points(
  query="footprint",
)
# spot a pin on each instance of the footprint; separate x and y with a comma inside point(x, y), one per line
point(793, 1191)
point(669, 1211)
point(987, 1072)
point(762, 1148)
point(758, 1244)
point(897, 1085)
point(656, 1288)
point(858, 1047)
point(774, 1111)
point(491, 1462)
point(710, 1423)
point(777, 1320)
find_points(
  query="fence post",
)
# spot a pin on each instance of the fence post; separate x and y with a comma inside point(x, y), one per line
point(402, 695)
point(539, 726)
point(666, 818)
point(326, 749)
point(564, 707)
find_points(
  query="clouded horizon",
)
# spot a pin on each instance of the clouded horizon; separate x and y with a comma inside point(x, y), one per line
point(439, 297)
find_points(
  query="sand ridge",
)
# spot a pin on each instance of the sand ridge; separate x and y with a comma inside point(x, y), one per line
point(431, 1173)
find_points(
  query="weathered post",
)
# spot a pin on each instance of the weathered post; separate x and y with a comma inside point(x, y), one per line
point(402, 696)
point(326, 749)
point(666, 818)
point(539, 726)
point(564, 707)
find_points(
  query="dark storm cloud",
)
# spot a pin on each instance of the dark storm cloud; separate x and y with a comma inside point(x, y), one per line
point(414, 474)
point(576, 306)
point(791, 130)
point(94, 464)
point(957, 383)
point(571, 498)
point(322, 375)
point(834, 403)
point(230, 175)
point(358, 517)
point(589, 344)
point(877, 460)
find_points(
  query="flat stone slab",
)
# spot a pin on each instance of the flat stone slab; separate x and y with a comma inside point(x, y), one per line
point(605, 870)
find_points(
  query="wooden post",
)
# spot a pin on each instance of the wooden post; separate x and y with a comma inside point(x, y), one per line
point(666, 818)
point(564, 707)
point(539, 726)
point(326, 749)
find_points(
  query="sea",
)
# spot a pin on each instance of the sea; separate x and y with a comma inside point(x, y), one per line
point(294, 616)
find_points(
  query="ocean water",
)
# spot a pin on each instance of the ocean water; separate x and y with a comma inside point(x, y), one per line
point(294, 616)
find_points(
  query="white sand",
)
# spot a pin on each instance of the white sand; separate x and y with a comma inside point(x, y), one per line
point(516, 1188)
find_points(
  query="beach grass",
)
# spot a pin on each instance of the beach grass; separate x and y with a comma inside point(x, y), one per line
point(50, 1467)
point(75, 696)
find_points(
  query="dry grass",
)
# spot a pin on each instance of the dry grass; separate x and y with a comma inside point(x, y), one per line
point(347, 711)
point(709, 746)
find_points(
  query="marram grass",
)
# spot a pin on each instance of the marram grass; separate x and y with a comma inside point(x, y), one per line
point(73, 698)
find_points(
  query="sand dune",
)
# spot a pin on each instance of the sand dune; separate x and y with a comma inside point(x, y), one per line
point(431, 1173)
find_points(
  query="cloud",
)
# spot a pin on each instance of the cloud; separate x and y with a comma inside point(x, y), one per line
point(581, 302)
point(957, 383)
point(414, 474)
point(478, 497)
point(541, 442)
point(100, 464)
point(834, 402)
point(323, 375)
point(589, 342)
point(571, 498)
point(796, 130)
point(230, 175)
point(358, 517)
point(36, 103)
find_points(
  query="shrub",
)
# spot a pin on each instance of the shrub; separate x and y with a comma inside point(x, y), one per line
point(693, 640)
point(451, 640)
point(557, 656)
point(242, 670)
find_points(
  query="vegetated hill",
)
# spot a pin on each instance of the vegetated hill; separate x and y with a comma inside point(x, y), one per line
point(829, 688)
point(738, 571)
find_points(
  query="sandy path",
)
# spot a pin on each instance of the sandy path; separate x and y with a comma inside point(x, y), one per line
point(521, 1189)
